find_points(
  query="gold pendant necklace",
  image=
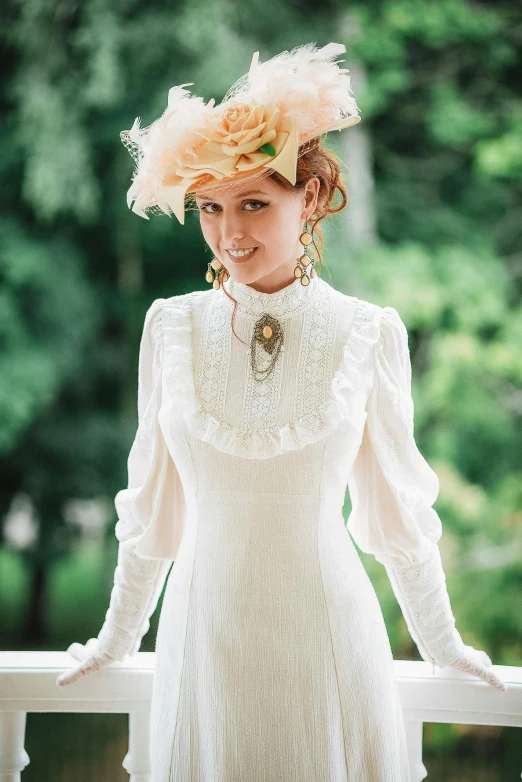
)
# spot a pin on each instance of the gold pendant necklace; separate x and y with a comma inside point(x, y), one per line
point(267, 334)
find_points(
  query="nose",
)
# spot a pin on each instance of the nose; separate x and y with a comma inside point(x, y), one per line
point(232, 229)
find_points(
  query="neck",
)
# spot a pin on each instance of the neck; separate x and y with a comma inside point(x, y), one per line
point(276, 280)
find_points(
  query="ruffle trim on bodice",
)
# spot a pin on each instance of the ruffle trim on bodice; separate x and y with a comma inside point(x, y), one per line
point(264, 443)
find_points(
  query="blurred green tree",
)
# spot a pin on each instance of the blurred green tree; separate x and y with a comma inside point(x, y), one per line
point(439, 90)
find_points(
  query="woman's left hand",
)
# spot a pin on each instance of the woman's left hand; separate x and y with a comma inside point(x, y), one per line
point(478, 663)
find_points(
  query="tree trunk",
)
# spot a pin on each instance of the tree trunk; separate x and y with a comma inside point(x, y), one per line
point(36, 626)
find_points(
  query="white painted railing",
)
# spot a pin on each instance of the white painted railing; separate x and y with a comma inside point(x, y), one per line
point(28, 684)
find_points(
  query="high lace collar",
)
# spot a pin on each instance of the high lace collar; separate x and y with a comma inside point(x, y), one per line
point(281, 304)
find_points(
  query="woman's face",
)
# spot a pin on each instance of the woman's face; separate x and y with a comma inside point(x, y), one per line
point(261, 215)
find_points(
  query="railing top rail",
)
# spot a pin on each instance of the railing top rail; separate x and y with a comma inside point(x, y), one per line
point(28, 683)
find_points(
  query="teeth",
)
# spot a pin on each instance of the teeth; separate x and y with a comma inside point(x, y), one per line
point(239, 253)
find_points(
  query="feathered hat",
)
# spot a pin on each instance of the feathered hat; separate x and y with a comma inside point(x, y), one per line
point(258, 128)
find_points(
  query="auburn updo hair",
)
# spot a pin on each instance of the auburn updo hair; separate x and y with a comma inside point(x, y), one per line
point(313, 160)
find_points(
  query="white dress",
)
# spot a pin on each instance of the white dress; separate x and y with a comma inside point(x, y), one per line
point(273, 662)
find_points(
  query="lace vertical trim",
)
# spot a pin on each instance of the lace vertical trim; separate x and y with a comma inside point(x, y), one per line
point(315, 369)
point(214, 358)
point(265, 442)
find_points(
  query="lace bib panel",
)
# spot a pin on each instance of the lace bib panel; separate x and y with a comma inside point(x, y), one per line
point(328, 338)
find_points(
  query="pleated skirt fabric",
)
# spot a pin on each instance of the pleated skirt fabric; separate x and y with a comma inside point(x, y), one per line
point(273, 662)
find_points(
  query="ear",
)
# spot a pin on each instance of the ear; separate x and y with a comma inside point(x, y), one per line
point(311, 195)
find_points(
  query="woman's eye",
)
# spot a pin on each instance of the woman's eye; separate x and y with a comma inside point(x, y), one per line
point(255, 202)
point(206, 207)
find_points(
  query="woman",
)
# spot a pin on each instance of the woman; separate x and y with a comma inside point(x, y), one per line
point(259, 401)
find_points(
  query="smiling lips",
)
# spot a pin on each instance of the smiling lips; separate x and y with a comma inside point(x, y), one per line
point(243, 256)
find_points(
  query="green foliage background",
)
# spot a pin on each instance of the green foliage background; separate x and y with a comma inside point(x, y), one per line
point(438, 86)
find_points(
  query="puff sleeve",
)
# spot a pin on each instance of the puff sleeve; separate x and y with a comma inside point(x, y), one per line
point(393, 489)
point(150, 509)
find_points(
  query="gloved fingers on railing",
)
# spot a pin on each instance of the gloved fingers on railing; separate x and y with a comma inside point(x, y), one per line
point(485, 659)
point(90, 661)
point(82, 651)
point(478, 663)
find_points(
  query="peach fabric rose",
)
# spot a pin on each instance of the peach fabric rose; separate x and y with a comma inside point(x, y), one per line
point(244, 128)
point(243, 138)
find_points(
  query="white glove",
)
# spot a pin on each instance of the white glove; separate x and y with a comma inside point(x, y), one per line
point(421, 592)
point(91, 659)
point(137, 587)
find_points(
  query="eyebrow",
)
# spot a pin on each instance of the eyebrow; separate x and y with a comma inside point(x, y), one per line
point(241, 195)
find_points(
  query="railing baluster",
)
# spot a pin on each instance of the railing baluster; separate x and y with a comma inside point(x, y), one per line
point(13, 757)
point(414, 741)
point(137, 760)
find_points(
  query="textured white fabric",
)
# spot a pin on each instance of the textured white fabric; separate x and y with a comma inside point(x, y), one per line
point(393, 489)
point(137, 587)
point(421, 592)
point(272, 657)
point(153, 492)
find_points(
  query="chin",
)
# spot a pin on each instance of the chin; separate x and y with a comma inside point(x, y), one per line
point(246, 276)
point(244, 279)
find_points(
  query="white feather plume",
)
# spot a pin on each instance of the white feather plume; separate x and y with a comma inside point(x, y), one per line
point(306, 83)
point(158, 148)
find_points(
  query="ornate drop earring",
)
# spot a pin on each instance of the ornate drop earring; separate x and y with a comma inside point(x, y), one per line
point(216, 273)
point(304, 261)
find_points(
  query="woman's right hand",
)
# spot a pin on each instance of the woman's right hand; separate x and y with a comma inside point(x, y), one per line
point(90, 660)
